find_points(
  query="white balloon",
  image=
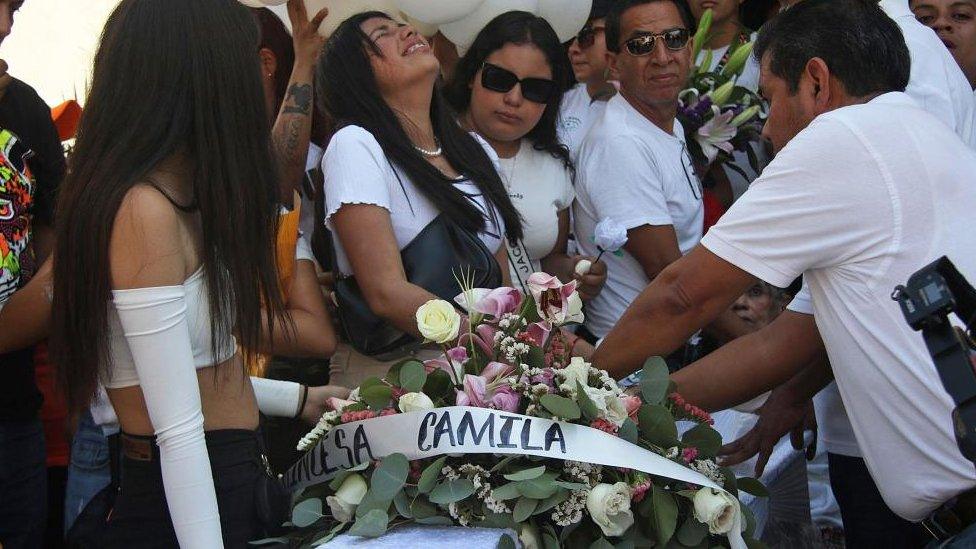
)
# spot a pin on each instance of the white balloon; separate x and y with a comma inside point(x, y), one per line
point(252, 3)
point(567, 17)
point(340, 10)
point(425, 29)
point(463, 31)
point(438, 12)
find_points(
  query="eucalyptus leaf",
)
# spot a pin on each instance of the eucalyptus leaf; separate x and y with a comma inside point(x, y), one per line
point(665, 513)
point(421, 508)
point(526, 474)
point(552, 501)
point(370, 502)
point(376, 397)
point(506, 542)
point(628, 431)
point(549, 541)
point(371, 525)
point(524, 508)
point(337, 481)
point(561, 407)
point(657, 425)
point(692, 531)
point(369, 382)
point(413, 376)
point(498, 520)
point(267, 542)
point(704, 438)
point(752, 543)
point(389, 477)
point(306, 512)
point(428, 479)
point(328, 536)
point(393, 374)
point(505, 491)
point(586, 404)
point(655, 378)
point(625, 544)
point(402, 504)
point(539, 488)
point(502, 463)
point(601, 543)
point(452, 491)
point(752, 486)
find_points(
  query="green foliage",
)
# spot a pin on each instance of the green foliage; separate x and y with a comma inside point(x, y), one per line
point(561, 407)
point(389, 477)
point(438, 385)
point(705, 439)
point(752, 486)
point(376, 397)
point(428, 479)
point(524, 508)
point(665, 513)
point(371, 525)
point(657, 425)
point(586, 404)
point(692, 532)
point(451, 491)
point(526, 474)
point(413, 376)
point(655, 380)
point(307, 512)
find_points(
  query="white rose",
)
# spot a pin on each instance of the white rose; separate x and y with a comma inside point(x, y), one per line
point(574, 312)
point(609, 507)
point(343, 504)
point(599, 398)
point(616, 409)
point(577, 370)
point(715, 508)
point(415, 402)
point(354, 395)
point(438, 321)
point(529, 536)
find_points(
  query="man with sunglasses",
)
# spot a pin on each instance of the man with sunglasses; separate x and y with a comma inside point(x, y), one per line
point(866, 188)
point(585, 101)
point(633, 166)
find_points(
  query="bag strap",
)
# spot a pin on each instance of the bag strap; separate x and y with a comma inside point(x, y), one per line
point(520, 263)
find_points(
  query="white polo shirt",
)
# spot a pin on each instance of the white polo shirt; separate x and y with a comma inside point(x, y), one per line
point(577, 111)
point(637, 174)
point(936, 83)
point(855, 227)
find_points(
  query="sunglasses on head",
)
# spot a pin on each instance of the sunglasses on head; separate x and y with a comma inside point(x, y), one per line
point(587, 36)
point(537, 90)
point(674, 40)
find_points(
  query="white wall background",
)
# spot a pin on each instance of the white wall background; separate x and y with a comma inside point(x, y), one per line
point(53, 43)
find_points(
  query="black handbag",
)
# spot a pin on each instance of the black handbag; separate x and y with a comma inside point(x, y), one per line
point(439, 255)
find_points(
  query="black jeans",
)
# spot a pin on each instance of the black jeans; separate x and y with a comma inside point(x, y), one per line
point(868, 522)
point(140, 517)
point(23, 484)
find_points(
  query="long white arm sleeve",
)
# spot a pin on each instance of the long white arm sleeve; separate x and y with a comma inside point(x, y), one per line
point(277, 398)
point(155, 326)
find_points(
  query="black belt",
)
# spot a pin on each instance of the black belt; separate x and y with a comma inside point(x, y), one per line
point(952, 517)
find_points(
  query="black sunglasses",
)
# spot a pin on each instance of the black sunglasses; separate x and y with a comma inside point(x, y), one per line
point(537, 90)
point(587, 37)
point(674, 40)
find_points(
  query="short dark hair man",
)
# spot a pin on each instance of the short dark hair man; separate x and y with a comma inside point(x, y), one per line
point(866, 188)
point(31, 167)
point(633, 166)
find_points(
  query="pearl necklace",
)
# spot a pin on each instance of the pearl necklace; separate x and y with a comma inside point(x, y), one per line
point(436, 152)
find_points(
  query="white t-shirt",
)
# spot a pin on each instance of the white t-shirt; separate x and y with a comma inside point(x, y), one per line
point(834, 428)
point(576, 114)
point(936, 83)
point(540, 187)
point(357, 172)
point(855, 227)
point(637, 174)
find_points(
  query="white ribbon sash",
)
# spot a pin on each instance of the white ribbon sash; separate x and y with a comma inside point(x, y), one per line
point(469, 430)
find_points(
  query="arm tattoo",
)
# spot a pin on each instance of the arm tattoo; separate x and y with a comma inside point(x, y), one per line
point(301, 97)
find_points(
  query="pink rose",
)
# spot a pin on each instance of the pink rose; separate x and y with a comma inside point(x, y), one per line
point(632, 405)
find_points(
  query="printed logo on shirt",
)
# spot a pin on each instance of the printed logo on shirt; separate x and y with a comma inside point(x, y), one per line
point(570, 123)
point(16, 199)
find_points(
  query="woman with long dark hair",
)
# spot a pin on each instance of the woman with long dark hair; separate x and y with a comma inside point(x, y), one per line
point(508, 87)
point(400, 164)
point(166, 227)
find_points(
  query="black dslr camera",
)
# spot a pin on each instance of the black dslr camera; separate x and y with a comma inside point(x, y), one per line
point(927, 300)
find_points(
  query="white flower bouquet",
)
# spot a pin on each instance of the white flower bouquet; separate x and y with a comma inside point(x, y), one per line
point(508, 429)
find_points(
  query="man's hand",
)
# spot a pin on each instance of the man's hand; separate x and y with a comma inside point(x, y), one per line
point(305, 32)
point(316, 403)
point(780, 414)
point(590, 284)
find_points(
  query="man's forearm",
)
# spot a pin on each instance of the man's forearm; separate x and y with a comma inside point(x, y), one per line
point(810, 380)
point(292, 130)
point(753, 364)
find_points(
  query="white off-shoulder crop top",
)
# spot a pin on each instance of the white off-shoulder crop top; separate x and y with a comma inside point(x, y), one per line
point(197, 312)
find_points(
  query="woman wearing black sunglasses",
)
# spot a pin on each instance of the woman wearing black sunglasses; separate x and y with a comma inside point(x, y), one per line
point(508, 87)
point(398, 165)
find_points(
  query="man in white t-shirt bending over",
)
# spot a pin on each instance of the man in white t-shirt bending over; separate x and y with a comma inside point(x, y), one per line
point(866, 188)
point(633, 166)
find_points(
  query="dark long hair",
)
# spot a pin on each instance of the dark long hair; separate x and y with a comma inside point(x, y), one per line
point(351, 96)
point(275, 37)
point(517, 27)
point(169, 76)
